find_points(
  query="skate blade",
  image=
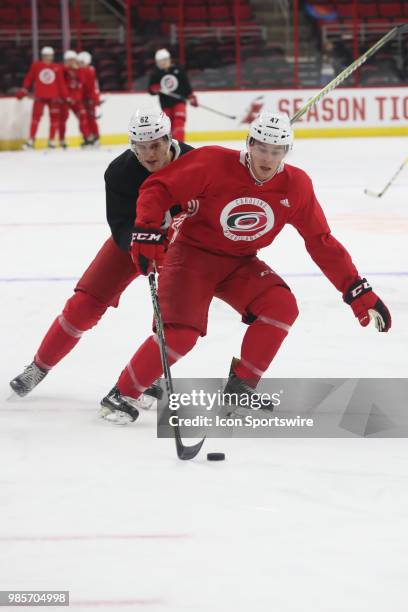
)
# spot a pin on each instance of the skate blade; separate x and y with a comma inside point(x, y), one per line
point(146, 402)
point(13, 397)
point(115, 416)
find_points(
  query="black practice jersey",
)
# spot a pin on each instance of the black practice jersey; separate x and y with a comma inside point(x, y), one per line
point(123, 179)
point(174, 80)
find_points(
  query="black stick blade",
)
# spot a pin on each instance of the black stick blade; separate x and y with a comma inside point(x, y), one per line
point(186, 452)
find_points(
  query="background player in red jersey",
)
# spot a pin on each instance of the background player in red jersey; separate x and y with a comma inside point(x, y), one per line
point(171, 78)
point(45, 78)
point(91, 94)
point(242, 200)
point(112, 270)
point(75, 84)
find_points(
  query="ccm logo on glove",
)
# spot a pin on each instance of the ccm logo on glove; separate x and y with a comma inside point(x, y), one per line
point(359, 288)
point(148, 237)
point(367, 306)
point(147, 249)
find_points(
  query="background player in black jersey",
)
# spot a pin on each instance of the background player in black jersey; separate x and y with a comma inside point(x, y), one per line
point(172, 78)
point(112, 270)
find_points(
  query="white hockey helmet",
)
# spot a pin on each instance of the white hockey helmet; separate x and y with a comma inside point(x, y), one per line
point(47, 51)
point(85, 57)
point(148, 124)
point(271, 128)
point(70, 55)
point(161, 54)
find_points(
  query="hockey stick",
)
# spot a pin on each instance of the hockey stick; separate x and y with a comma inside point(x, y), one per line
point(183, 452)
point(400, 29)
point(212, 110)
point(390, 182)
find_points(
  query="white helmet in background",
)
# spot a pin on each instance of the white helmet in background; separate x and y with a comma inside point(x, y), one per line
point(148, 124)
point(70, 55)
point(47, 51)
point(161, 54)
point(271, 128)
point(85, 57)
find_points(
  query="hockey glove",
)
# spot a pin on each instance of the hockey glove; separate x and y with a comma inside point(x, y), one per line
point(193, 100)
point(154, 89)
point(21, 93)
point(367, 305)
point(147, 246)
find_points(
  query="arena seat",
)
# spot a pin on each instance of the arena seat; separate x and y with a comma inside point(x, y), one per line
point(390, 10)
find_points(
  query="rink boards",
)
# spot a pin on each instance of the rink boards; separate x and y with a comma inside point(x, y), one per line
point(345, 112)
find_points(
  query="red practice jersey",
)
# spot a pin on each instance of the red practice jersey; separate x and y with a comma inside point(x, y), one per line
point(47, 81)
point(228, 212)
point(91, 87)
point(75, 83)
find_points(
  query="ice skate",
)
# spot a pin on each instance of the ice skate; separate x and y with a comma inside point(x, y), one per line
point(242, 396)
point(30, 378)
point(151, 396)
point(29, 144)
point(51, 144)
point(118, 408)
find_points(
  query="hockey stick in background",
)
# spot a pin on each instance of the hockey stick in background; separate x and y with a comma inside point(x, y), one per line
point(400, 29)
point(390, 182)
point(212, 110)
point(99, 115)
point(183, 452)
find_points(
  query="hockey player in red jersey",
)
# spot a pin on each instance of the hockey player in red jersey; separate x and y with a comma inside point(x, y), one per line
point(91, 94)
point(45, 78)
point(112, 270)
point(236, 203)
point(75, 84)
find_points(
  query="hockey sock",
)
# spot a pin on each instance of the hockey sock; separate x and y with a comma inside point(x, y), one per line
point(83, 120)
point(54, 119)
point(37, 112)
point(81, 312)
point(276, 311)
point(62, 123)
point(92, 123)
point(145, 366)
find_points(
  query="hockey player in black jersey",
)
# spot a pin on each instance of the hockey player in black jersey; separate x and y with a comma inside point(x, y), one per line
point(112, 270)
point(171, 78)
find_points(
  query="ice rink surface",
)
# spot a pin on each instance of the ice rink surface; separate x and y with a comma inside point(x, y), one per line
point(109, 513)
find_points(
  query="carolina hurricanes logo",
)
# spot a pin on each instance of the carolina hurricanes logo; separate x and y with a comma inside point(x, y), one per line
point(254, 110)
point(169, 83)
point(46, 76)
point(246, 219)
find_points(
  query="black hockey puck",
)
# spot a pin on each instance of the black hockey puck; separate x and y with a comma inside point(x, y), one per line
point(215, 456)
